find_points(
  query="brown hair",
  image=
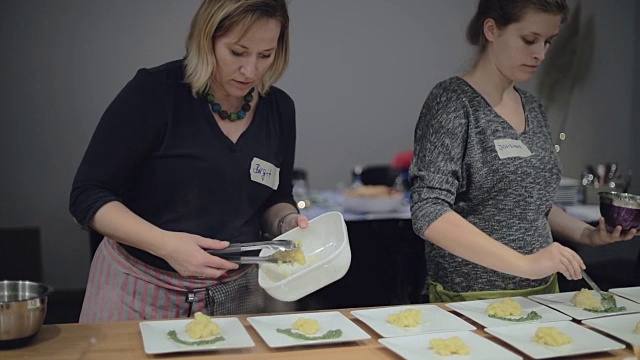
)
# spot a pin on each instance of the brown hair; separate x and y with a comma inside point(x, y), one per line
point(216, 18)
point(507, 12)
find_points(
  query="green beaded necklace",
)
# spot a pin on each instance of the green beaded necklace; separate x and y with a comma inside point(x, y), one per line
point(216, 108)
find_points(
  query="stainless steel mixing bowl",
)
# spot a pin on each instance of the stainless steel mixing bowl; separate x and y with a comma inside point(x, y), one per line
point(23, 306)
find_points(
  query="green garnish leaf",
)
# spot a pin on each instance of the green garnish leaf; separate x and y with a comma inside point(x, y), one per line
point(173, 335)
point(331, 334)
point(531, 316)
point(608, 310)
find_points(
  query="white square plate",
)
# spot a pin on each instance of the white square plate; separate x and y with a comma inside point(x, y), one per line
point(562, 302)
point(416, 347)
point(332, 320)
point(621, 326)
point(585, 341)
point(434, 319)
point(475, 310)
point(631, 293)
point(156, 341)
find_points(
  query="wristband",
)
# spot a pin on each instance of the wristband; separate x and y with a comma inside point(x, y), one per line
point(281, 221)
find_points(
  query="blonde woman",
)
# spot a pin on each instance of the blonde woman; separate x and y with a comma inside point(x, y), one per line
point(191, 155)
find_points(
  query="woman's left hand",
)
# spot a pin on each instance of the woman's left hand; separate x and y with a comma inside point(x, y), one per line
point(600, 235)
point(294, 220)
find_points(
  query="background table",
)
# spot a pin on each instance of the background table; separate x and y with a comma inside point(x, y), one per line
point(387, 259)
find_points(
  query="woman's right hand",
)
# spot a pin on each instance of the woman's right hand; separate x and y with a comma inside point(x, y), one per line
point(552, 259)
point(186, 254)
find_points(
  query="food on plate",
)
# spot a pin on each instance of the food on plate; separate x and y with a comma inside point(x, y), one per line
point(531, 316)
point(506, 307)
point(551, 336)
point(293, 256)
point(451, 346)
point(637, 329)
point(306, 326)
point(406, 318)
point(370, 191)
point(202, 327)
point(584, 299)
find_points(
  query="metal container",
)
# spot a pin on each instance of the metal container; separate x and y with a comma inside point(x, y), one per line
point(23, 306)
point(620, 209)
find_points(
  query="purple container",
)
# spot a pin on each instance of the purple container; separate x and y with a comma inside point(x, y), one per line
point(620, 209)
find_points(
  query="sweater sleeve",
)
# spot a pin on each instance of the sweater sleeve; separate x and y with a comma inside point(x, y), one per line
point(130, 128)
point(436, 172)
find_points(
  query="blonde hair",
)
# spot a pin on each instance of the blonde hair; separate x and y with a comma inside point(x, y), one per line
point(216, 18)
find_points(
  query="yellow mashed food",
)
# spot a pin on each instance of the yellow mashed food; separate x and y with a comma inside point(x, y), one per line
point(637, 329)
point(451, 346)
point(506, 307)
point(584, 299)
point(306, 326)
point(406, 318)
point(291, 256)
point(202, 327)
point(551, 336)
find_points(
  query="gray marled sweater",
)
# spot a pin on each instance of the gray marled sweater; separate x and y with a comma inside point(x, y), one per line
point(457, 167)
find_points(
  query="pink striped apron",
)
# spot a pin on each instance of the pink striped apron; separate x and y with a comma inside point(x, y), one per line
point(121, 287)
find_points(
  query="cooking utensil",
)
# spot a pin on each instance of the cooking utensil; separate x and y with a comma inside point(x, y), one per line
point(601, 173)
point(269, 259)
point(627, 182)
point(23, 306)
point(279, 244)
point(608, 301)
point(612, 170)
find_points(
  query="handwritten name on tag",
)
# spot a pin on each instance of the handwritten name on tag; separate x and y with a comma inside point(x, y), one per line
point(265, 173)
point(508, 148)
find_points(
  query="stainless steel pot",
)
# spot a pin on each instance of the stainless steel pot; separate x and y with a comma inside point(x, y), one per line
point(23, 306)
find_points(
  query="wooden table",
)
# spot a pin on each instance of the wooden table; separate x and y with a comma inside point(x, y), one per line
point(122, 340)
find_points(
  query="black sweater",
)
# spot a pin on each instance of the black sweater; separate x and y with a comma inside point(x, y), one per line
point(158, 150)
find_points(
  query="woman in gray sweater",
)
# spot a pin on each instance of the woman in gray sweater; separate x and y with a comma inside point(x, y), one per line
point(485, 172)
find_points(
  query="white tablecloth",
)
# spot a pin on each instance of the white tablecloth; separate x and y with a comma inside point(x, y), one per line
point(323, 201)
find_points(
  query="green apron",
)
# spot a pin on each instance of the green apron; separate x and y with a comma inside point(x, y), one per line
point(437, 293)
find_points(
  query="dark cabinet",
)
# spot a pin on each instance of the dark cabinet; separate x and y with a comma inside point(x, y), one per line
point(387, 268)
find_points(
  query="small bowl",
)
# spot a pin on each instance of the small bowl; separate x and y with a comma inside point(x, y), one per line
point(325, 244)
point(23, 306)
point(620, 209)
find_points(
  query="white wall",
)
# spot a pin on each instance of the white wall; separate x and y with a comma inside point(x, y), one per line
point(601, 110)
point(359, 73)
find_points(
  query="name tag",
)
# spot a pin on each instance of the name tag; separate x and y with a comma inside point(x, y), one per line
point(508, 148)
point(265, 173)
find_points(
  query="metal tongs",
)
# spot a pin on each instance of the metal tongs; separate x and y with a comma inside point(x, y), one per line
point(231, 253)
point(608, 301)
